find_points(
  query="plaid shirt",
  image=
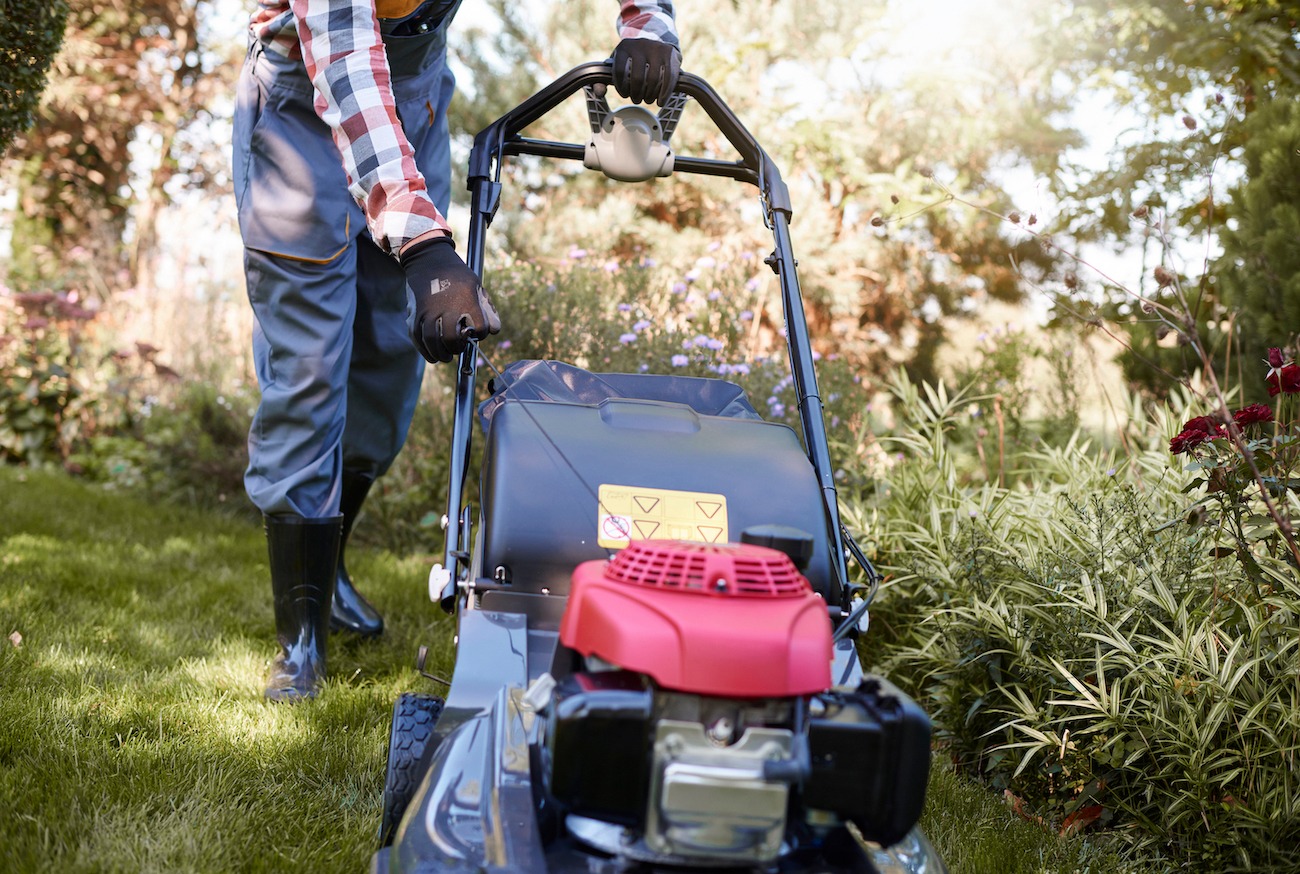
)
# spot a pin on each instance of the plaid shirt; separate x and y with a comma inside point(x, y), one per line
point(340, 43)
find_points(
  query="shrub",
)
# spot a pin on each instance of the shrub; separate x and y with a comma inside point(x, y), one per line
point(31, 32)
point(1081, 652)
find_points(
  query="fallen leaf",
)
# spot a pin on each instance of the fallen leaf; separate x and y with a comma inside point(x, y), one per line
point(1081, 819)
point(16, 639)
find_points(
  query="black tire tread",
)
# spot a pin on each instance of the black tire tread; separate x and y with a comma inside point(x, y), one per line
point(414, 717)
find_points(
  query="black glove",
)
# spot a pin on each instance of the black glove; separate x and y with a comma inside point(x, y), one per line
point(450, 303)
point(646, 70)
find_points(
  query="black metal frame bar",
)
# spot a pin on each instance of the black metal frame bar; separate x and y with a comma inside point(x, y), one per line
point(503, 138)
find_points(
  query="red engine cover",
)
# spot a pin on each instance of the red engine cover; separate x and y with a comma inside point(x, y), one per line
point(731, 620)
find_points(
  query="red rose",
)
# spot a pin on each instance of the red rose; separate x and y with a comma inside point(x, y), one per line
point(1206, 425)
point(1284, 380)
point(1275, 359)
point(1187, 440)
point(1253, 414)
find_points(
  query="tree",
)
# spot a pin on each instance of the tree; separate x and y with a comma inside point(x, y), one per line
point(856, 109)
point(132, 74)
point(31, 32)
point(1259, 272)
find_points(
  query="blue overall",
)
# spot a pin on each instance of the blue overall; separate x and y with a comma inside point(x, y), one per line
point(338, 374)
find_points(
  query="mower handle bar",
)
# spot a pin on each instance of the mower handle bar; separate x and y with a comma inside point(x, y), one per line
point(501, 139)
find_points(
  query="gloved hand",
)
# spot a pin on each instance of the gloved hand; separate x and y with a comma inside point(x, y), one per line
point(646, 70)
point(450, 303)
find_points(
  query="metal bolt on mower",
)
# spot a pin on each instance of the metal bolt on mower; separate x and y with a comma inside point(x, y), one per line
point(655, 661)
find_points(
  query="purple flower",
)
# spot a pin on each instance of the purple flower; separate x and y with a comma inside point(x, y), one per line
point(679, 288)
point(746, 316)
point(627, 338)
point(692, 275)
point(641, 325)
point(715, 345)
point(752, 285)
point(625, 308)
point(504, 344)
point(577, 254)
point(740, 368)
point(700, 340)
point(715, 294)
point(680, 361)
point(705, 262)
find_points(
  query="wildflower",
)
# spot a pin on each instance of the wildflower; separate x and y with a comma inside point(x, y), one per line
point(751, 285)
point(679, 288)
point(627, 338)
point(625, 308)
point(680, 361)
point(715, 294)
point(714, 344)
point(1253, 414)
point(700, 340)
point(747, 315)
point(577, 254)
point(692, 275)
point(705, 262)
point(714, 246)
point(504, 344)
point(641, 325)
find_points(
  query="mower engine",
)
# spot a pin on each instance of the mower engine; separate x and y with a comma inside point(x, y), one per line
point(696, 722)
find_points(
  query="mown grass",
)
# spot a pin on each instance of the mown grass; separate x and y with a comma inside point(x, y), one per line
point(133, 736)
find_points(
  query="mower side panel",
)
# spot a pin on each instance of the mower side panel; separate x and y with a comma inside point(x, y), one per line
point(544, 464)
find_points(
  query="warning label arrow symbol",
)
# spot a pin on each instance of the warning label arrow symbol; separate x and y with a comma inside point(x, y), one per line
point(646, 503)
point(708, 508)
point(709, 534)
point(645, 529)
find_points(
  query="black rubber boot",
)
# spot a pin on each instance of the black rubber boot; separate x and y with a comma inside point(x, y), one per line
point(351, 612)
point(304, 558)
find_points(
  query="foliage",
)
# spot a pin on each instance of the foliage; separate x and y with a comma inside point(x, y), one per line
point(1259, 272)
point(1243, 467)
point(43, 402)
point(31, 32)
point(878, 268)
point(130, 78)
point(1186, 74)
point(1085, 656)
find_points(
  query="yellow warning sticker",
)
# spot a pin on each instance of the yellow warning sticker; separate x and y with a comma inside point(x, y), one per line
point(627, 513)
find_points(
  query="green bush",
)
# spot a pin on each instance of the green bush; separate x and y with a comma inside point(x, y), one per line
point(1081, 651)
point(43, 402)
point(31, 32)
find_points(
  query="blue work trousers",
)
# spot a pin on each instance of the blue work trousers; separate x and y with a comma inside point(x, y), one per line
point(338, 374)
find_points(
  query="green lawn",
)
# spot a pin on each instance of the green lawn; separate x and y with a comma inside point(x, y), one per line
point(133, 736)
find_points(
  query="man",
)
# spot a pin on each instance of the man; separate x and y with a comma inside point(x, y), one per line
point(342, 178)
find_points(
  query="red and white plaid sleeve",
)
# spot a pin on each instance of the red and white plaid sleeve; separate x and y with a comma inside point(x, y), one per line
point(647, 19)
point(345, 59)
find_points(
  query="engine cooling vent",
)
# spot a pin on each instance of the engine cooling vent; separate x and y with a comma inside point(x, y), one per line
point(733, 569)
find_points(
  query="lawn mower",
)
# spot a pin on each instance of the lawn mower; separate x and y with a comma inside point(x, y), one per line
point(655, 663)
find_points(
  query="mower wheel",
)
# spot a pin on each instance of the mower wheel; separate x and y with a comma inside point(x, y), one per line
point(414, 717)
